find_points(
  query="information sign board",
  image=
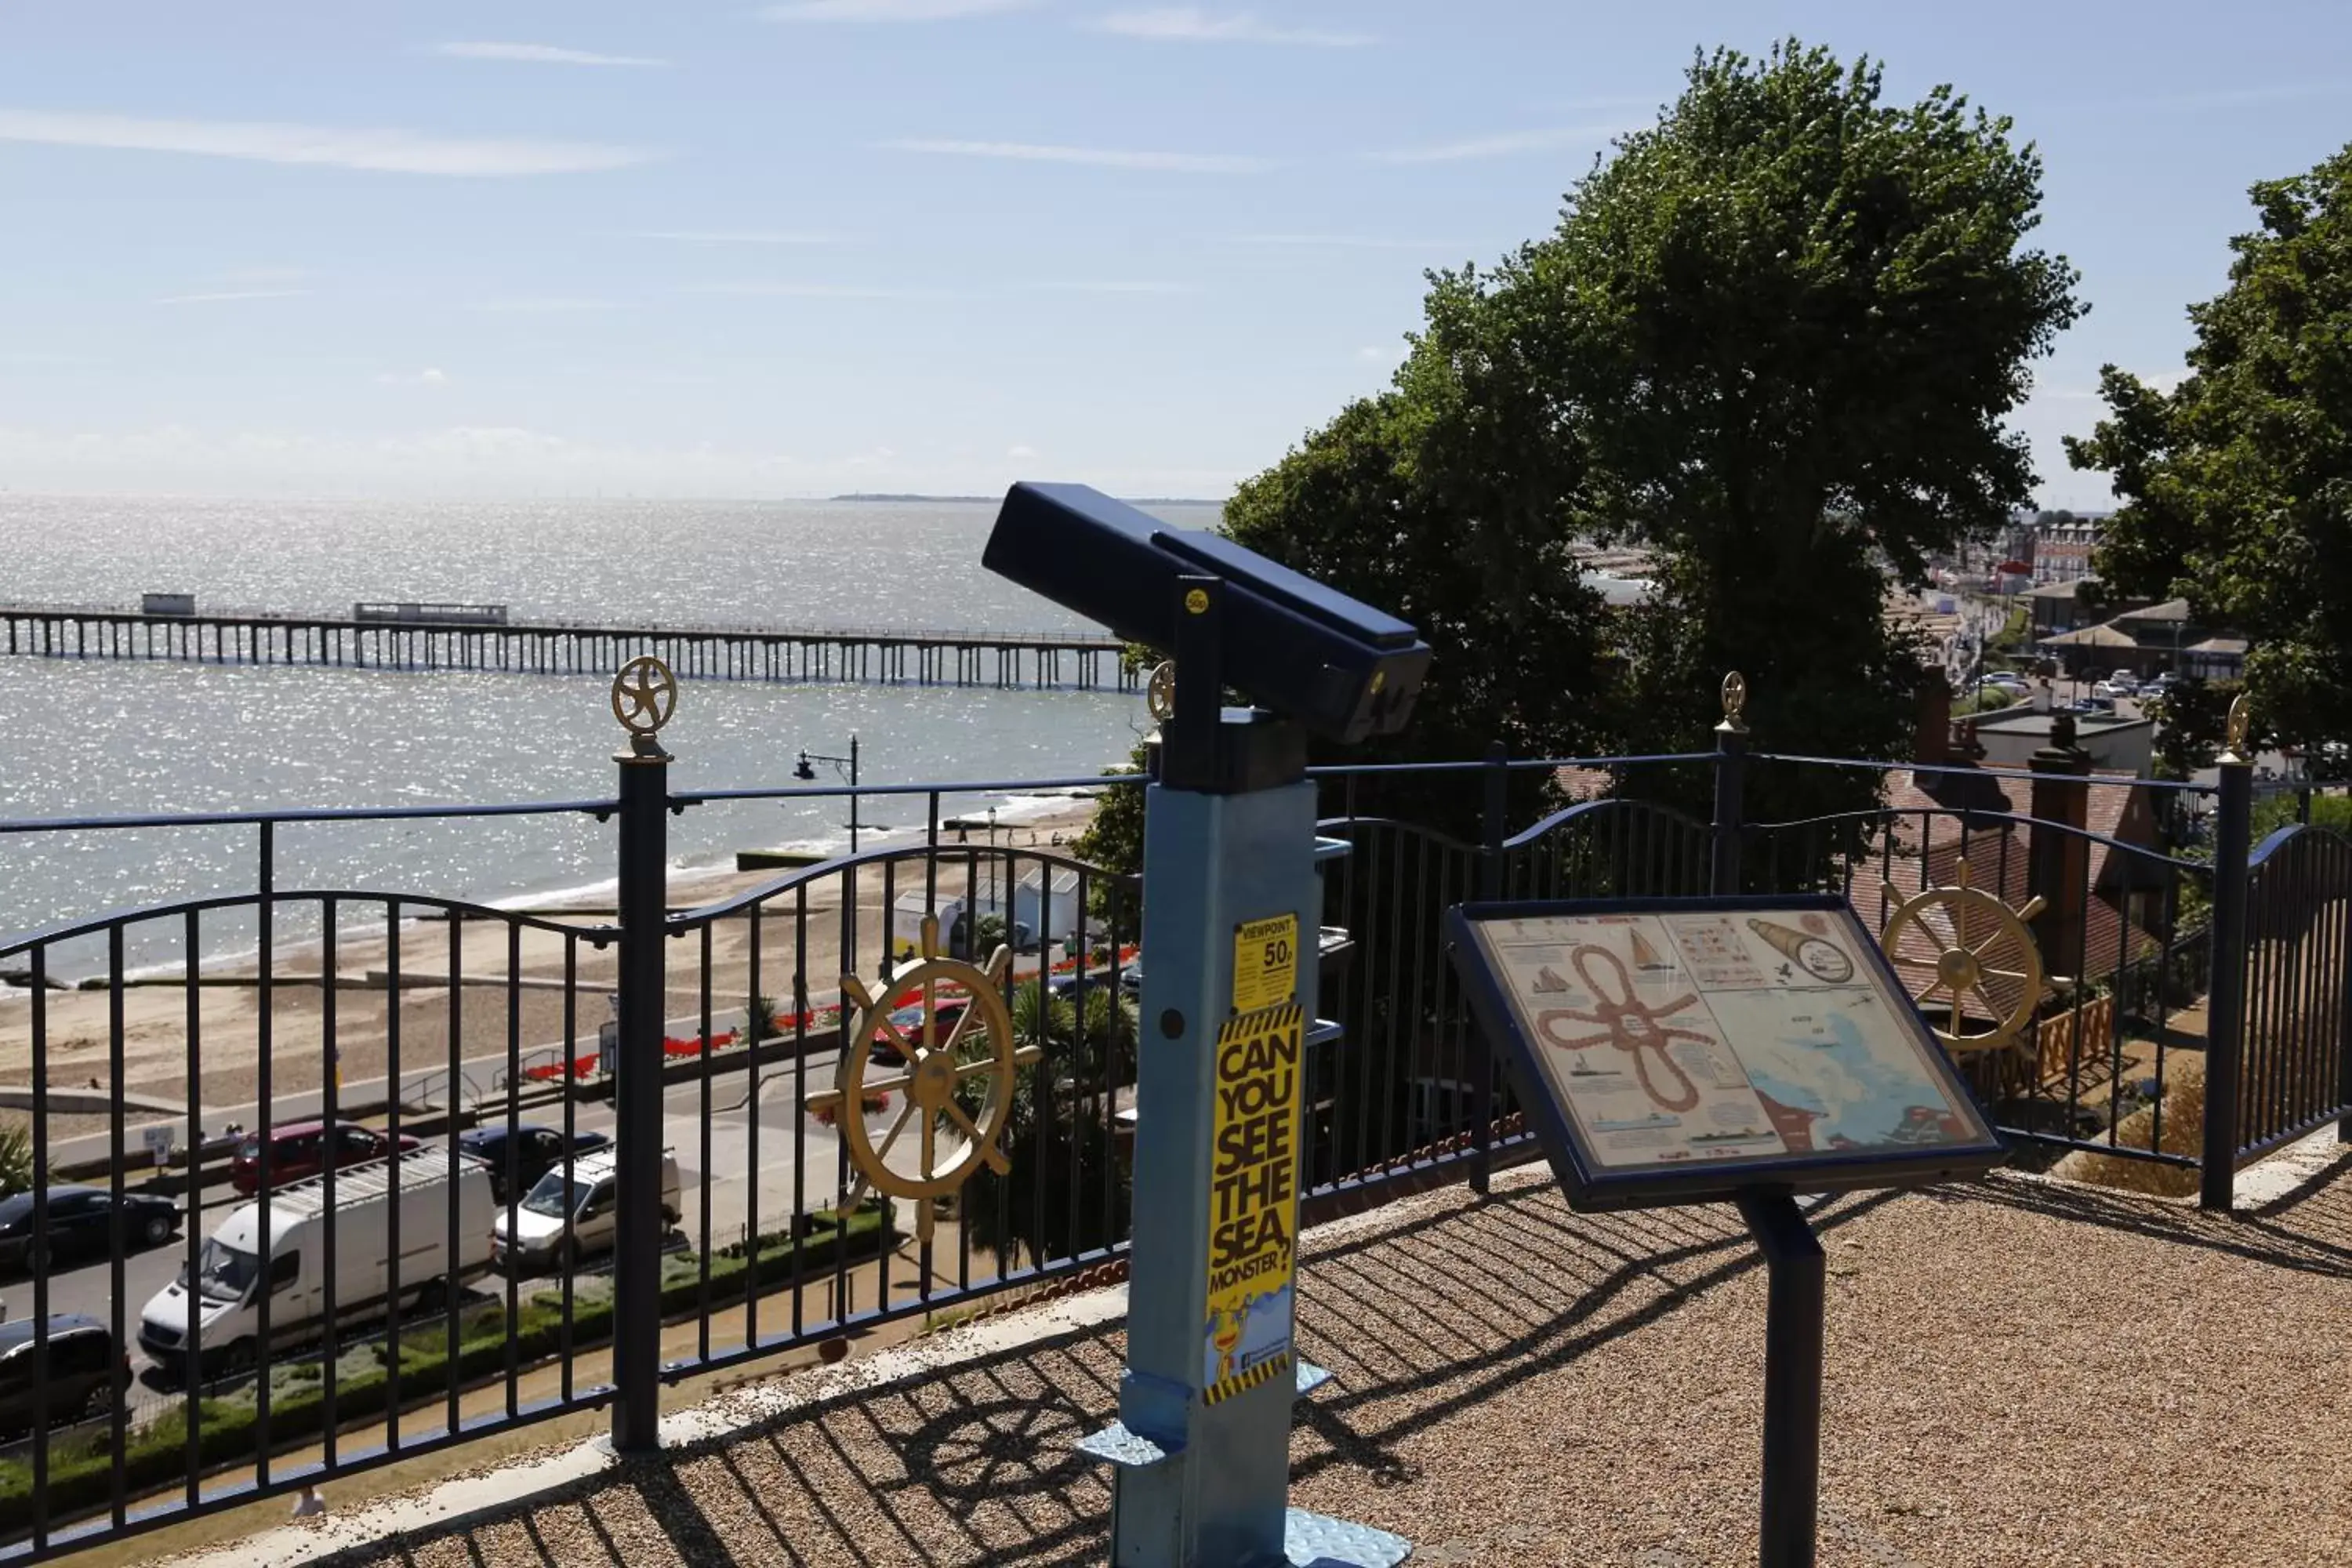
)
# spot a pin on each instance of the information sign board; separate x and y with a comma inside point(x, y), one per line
point(1677, 1051)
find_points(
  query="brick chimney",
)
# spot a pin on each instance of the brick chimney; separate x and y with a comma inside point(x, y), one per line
point(1931, 743)
point(2057, 862)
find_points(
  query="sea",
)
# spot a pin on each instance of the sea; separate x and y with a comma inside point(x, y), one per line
point(98, 738)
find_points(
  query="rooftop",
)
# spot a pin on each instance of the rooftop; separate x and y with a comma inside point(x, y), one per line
point(2019, 1372)
point(2023, 721)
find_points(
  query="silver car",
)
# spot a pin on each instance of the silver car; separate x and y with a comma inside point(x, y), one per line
point(569, 1214)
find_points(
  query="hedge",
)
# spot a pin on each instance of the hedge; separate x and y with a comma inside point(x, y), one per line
point(81, 1474)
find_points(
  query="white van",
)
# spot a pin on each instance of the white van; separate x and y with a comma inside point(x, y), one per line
point(226, 1291)
point(569, 1214)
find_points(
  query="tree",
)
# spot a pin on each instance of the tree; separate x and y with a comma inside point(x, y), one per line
point(1436, 502)
point(2237, 484)
point(2191, 717)
point(1781, 330)
point(1067, 1190)
point(19, 1166)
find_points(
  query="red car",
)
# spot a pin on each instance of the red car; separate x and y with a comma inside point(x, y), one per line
point(298, 1149)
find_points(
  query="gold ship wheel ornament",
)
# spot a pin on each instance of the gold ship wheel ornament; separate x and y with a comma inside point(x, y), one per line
point(1159, 691)
point(644, 694)
point(2236, 727)
point(1976, 937)
point(935, 1059)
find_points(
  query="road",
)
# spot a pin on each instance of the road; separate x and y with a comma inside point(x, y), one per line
point(727, 1173)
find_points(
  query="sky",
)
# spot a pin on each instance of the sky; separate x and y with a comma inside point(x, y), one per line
point(519, 247)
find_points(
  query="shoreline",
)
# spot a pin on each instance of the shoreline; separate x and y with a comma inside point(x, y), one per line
point(795, 945)
point(693, 880)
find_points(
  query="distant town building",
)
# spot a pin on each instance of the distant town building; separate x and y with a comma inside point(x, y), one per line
point(2062, 546)
point(2146, 639)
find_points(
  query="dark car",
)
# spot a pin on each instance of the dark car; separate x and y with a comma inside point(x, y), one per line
point(883, 1052)
point(537, 1151)
point(81, 1224)
point(298, 1149)
point(85, 1376)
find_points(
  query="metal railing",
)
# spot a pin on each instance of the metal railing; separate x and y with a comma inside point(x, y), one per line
point(723, 1207)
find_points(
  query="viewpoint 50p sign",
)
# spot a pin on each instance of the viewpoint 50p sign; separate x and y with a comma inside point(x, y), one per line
point(1253, 1200)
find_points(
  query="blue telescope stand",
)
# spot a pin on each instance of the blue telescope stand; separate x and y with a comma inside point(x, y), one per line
point(1232, 906)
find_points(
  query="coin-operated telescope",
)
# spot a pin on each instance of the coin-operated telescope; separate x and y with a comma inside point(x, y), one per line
point(1307, 658)
point(1233, 903)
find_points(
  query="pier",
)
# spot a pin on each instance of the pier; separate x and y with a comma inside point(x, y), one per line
point(895, 656)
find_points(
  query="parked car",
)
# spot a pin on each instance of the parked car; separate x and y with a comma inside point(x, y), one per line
point(883, 1052)
point(297, 1150)
point(223, 1301)
point(2109, 690)
point(535, 1150)
point(571, 1215)
point(2124, 682)
point(81, 1224)
point(86, 1375)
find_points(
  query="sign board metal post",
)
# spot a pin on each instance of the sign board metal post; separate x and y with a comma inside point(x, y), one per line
point(1794, 1314)
point(1671, 1051)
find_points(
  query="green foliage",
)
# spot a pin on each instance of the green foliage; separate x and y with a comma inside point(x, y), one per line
point(1113, 838)
point(2237, 484)
point(2273, 811)
point(2190, 720)
point(2009, 640)
point(1444, 502)
point(18, 1168)
point(1786, 325)
point(1986, 699)
point(759, 1019)
point(1775, 338)
point(1067, 1189)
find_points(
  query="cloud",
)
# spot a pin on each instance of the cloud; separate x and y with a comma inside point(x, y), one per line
point(1190, 25)
point(426, 377)
point(775, 289)
point(1117, 286)
point(392, 151)
point(733, 236)
point(1020, 454)
point(1339, 241)
point(1098, 157)
point(552, 305)
point(222, 296)
point(889, 10)
point(1507, 145)
point(540, 54)
point(1373, 355)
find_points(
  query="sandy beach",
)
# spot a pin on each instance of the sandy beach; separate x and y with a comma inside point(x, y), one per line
point(798, 942)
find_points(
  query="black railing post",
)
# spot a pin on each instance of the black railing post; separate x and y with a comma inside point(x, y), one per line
point(1731, 784)
point(637, 1094)
point(2226, 994)
point(1493, 812)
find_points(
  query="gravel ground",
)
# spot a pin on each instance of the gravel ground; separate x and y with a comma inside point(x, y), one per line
point(2020, 1373)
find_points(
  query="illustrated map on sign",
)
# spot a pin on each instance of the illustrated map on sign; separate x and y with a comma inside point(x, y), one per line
point(1724, 1035)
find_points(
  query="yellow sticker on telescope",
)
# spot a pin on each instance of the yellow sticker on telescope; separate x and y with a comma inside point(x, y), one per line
point(1253, 1202)
point(1266, 963)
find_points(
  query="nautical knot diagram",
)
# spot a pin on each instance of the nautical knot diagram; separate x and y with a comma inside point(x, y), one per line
point(1630, 1024)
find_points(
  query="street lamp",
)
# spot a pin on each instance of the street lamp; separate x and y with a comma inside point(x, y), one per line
point(844, 768)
